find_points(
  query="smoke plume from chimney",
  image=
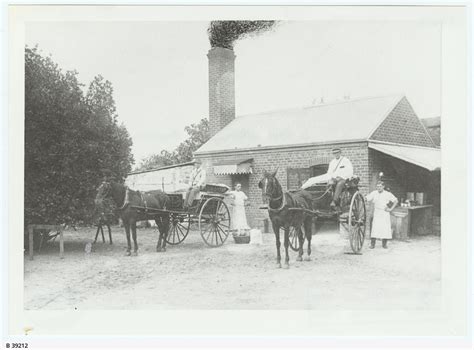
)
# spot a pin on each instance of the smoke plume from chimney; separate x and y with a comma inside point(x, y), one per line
point(225, 33)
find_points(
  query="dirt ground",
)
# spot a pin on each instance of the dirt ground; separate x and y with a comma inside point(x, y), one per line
point(406, 276)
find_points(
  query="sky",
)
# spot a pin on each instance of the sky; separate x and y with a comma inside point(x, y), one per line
point(159, 70)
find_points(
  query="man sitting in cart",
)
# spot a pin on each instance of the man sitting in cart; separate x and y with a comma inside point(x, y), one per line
point(197, 182)
point(340, 169)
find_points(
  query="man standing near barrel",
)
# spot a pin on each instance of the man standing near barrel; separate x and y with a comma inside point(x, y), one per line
point(384, 203)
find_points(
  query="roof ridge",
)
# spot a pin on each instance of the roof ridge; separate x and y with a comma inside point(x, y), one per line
point(400, 95)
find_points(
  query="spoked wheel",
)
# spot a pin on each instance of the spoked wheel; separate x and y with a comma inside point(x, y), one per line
point(214, 222)
point(294, 241)
point(356, 222)
point(178, 229)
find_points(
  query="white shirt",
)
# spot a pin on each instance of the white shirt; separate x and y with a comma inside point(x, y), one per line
point(341, 167)
point(381, 199)
point(198, 177)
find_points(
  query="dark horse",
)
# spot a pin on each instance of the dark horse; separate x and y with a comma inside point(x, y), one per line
point(279, 204)
point(125, 201)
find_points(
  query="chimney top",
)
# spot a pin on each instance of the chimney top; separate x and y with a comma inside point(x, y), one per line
point(221, 51)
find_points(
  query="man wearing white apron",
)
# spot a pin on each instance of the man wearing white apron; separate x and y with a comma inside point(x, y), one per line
point(384, 203)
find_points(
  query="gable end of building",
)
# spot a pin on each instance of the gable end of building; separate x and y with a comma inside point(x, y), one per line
point(403, 126)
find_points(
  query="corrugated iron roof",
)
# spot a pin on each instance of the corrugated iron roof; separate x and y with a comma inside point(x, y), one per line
point(428, 158)
point(348, 120)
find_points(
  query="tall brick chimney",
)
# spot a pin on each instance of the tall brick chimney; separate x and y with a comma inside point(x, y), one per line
point(221, 88)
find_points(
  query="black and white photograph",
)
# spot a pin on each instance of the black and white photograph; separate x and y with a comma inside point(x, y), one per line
point(264, 162)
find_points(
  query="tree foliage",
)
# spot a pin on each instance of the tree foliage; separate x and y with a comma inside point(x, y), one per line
point(198, 134)
point(71, 140)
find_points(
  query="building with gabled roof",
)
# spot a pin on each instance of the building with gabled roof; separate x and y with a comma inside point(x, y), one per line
point(378, 134)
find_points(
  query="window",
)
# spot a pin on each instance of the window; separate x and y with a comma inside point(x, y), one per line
point(297, 177)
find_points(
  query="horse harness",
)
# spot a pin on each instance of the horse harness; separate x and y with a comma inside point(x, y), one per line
point(126, 200)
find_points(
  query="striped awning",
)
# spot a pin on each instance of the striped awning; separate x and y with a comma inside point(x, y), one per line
point(235, 166)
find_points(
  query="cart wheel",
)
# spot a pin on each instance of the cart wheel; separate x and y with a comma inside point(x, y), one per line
point(214, 222)
point(294, 241)
point(357, 222)
point(178, 229)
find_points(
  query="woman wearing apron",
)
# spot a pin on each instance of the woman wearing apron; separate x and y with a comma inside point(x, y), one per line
point(239, 219)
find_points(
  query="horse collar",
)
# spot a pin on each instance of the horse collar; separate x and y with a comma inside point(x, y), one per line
point(283, 203)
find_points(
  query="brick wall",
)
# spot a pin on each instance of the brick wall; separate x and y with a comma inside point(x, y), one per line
point(269, 160)
point(221, 88)
point(403, 126)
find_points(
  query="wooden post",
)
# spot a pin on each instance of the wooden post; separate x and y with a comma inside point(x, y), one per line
point(97, 233)
point(110, 233)
point(61, 243)
point(30, 243)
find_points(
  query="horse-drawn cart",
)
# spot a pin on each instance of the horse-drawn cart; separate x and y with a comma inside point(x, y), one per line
point(352, 214)
point(209, 212)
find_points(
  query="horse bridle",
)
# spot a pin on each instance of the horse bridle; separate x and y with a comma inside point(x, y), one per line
point(273, 198)
point(107, 190)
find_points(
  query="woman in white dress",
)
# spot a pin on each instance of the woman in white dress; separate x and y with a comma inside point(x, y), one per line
point(239, 220)
point(384, 203)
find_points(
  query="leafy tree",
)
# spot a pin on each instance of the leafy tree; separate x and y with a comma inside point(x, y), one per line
point(198, 134)
point(70, 140)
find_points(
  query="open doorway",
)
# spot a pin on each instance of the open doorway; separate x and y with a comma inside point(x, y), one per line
point(243, 179)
